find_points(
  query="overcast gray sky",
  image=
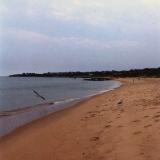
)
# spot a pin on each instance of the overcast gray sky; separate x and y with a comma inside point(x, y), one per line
point(73, 35)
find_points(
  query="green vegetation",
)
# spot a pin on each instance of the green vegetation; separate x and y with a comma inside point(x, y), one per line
point(147, 72)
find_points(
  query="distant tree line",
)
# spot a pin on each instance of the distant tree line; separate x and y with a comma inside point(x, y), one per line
point(147, 72)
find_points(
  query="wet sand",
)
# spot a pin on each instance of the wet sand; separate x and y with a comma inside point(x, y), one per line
point(118, 125)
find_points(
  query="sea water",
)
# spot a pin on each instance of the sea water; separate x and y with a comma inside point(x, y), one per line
point(19, 104)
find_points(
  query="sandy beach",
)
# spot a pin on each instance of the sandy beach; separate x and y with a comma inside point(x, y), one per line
point(118, 125)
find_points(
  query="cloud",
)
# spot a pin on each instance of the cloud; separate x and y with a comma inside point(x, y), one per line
point(3, 10)
point(79, 34)
point(96, 12)
point(103, 12)
point(23, 36)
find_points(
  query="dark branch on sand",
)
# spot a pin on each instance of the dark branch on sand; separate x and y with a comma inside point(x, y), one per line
point(38, 95)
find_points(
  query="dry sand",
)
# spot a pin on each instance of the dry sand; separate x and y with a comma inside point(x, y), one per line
point(123, 124)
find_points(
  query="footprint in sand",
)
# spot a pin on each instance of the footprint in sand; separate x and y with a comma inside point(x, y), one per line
point(153, 108)
point(136, 121)
point(156, 116)
point(137, 132)
point(103, 110)
point(89, 112)
point(141, 154)
point(85, 118)
point(109, 151)
point(109, 122)
point(95, 138)
point(156, 120)
point(108, 126)
point(118, 117)
point(122, 110)
point(83, 153)
point(92, 115)
point(146, 116)
point(120, 126)
point(149, 125)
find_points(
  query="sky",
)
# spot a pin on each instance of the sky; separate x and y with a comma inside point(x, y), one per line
point(78, 35)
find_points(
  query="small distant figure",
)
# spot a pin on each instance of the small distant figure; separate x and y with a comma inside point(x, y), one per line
point(133, 81)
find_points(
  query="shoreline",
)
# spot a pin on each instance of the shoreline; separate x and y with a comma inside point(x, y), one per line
point(52, 102)
point(60, 111)
point(39, 111)
point(121, 124)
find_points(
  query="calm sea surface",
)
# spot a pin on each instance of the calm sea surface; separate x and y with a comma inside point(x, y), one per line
point(16, 92)
point(19, 105)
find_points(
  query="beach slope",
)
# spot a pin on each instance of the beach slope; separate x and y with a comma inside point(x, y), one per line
point(118, 125)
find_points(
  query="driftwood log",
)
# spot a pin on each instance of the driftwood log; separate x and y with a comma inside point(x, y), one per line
point(38, 95)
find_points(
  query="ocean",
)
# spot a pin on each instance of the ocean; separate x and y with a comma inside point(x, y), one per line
point(24, 99)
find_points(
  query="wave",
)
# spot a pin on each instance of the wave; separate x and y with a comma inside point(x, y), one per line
point(52, 103)
point(22, 110)
point(21, 116)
